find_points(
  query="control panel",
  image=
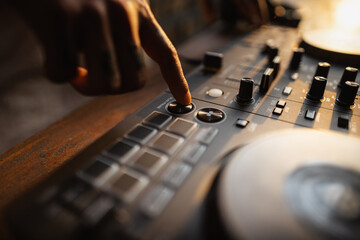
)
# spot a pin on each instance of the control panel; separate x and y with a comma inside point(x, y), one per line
point(150, 176)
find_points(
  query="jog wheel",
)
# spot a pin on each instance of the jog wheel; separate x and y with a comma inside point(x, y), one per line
point(299, 184)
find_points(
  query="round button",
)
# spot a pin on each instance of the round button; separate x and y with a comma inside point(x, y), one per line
point(178, 108)
point(215, 92)
point(210, 115)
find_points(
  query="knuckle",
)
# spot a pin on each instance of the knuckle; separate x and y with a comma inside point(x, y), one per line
point(170, 55)
point(65, 10)
point(94, 10)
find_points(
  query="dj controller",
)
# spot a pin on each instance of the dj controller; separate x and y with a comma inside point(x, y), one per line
point(268, 149)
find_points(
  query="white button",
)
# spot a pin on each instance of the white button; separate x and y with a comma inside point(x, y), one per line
point(215, 92)
point(287, 90)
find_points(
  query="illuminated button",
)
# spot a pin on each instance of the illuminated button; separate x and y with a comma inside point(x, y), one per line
point(96, 169)
point(241, 123)
point(98, 209)
point(122, 151)
point(150, 162)
point(128, 185)
point(157, 120)
point(215, 92)
point(281, 104)
point(193, 153)
point(177, 174)
point(167, 143)
point(156, 201)
point(277, 111)
point(141, 134)
point(206, 135)
point(287, 90)
point(310, 114)
point(294, 76)
point(182, 127)
point(101, 170)
point(210, 115)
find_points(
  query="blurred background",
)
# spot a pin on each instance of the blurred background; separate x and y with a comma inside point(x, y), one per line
point(29, 102)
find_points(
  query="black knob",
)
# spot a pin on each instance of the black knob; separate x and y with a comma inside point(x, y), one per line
point(322, 69)
point(266, 80)
point(178, 108)
point(296, 58)
point(348, 75)
point(348, 94)
point(213, 61)
point(270, 43)
point(245, 94)
point(273, 52)
point(317, 88)
point(210, 115)
point(275, 64)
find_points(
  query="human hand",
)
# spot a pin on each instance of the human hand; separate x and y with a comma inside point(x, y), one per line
point(254, 11)
point(109, 34)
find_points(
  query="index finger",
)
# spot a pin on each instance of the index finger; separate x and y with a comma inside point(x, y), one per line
point(158, 46)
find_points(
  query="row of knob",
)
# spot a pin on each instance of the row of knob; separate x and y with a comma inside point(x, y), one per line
point(213, 62)
point(349, 87)
point(346, 97)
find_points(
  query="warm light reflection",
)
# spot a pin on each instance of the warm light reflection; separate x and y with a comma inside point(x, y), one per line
point(347, 15)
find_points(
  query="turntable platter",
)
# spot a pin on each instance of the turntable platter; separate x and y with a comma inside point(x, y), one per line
point(268, 192)
point(333, 45)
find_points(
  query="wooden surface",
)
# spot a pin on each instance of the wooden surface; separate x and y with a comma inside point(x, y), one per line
point(26, 164)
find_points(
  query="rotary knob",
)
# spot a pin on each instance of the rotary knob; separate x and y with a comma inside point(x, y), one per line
point(296, 58)
point(210, 115)
point(245, 94)
point(348, 75)
point(213, 61)
point(178, 108)
point(348, 94)
point(270, 43)
point(272, 53)
point(266, 80)
point(317, 88)
point(275, 64)
point(322, 69)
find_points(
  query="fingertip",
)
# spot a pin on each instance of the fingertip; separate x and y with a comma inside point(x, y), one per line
point(184, 99)
point(187, 98)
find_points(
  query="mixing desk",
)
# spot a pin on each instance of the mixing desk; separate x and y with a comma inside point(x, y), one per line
point(270, 142)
